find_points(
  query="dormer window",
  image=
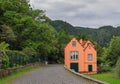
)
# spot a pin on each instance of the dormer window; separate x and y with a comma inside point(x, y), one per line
point(73, 43)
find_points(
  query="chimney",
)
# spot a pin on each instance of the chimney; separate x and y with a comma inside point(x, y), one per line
point(81, 41)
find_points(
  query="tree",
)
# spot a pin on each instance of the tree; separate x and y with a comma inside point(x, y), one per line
point(4, 46)
point(117, 68)
point(31, 53)
point(83, 36)
point(4, 57)
point(113, 51)
point(62, 39)
point(5, 62)
point(43, 50)
point(100, 51)
point(7, 34)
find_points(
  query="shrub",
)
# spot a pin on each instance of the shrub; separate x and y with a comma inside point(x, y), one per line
point(5, 62)
point(117, 69)
point(17, 58)
point(105, 68)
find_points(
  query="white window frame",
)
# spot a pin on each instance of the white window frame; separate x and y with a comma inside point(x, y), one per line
point(90, 57)
point(73, 43)
point(74, 55)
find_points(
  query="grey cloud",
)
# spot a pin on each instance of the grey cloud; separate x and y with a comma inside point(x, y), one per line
point(91, 13)
point(92, 1)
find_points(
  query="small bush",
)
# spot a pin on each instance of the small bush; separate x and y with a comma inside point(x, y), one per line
point(5, 62)
point(105, 68)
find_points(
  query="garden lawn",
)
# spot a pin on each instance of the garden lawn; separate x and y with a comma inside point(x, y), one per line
point(8, 79)
point(106, 77)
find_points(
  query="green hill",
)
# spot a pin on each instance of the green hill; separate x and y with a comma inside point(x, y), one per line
point(102, 35)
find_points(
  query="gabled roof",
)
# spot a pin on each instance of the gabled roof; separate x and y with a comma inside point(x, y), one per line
point(71, 40)
point(89, 44)
point(84, 44)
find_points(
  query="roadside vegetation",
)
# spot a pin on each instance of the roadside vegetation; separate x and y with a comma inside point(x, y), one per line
point(109, 67)
point(106, 77)
point(8, 79)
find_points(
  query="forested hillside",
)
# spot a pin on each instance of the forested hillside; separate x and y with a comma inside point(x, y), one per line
point(102, 35)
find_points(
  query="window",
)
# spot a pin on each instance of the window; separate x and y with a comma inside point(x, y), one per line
point(89, 57)
point(73, 43)
point(74, 55)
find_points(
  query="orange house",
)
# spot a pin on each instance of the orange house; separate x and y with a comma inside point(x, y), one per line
point(81, 56)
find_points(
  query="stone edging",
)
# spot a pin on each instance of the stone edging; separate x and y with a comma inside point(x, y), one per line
point(86, 77)
point(4, 73)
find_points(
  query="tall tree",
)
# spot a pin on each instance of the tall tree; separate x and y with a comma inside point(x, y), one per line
point(63, 38)
point(113, 51)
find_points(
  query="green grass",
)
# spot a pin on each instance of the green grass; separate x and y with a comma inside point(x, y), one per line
point(106, 77)
point(8, 79)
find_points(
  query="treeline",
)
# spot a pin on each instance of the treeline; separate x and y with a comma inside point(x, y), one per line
point(102, 35)
point(110, 57)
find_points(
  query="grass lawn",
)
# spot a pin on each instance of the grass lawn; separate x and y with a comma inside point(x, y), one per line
point(8, 79)
point(106, 77)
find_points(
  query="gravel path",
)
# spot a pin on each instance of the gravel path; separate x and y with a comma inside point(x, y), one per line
point(51, 74)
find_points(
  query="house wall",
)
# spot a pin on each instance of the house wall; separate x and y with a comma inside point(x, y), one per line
point(82, 56)
point(70, 48)
point(93, 62)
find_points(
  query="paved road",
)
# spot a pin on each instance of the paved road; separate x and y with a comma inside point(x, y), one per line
point(52, 74)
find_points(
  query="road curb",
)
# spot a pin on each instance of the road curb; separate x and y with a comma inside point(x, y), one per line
point(86, 77)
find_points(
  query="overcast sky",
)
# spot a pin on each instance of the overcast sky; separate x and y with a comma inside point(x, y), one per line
point(86, 13)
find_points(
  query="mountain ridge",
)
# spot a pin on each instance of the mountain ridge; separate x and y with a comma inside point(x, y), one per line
point(102, 34)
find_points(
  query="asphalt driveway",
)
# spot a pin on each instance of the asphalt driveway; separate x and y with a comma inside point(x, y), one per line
point(51, 74)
